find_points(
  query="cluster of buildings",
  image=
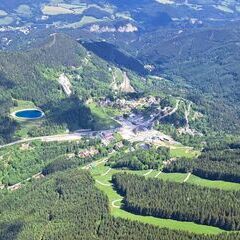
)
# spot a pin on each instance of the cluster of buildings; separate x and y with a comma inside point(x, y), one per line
point(128, 105)
point(85, 153)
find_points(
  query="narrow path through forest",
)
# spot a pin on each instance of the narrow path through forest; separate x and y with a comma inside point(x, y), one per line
point(104, 174)
point(188, 176)
point(115, 201)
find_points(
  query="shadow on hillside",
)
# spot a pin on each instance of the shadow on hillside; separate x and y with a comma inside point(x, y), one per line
point(112, 54)
point(69, 111)
point(10, 231)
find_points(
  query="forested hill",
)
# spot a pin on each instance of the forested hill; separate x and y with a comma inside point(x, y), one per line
point(206, 60)
point(20, 70)
point(67, 205)
point(33, 76)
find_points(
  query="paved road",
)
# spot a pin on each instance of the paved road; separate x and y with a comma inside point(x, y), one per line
point(104, 174)
point(125, 127)
point(59, 137)
point(95, 164)
point(77, 135)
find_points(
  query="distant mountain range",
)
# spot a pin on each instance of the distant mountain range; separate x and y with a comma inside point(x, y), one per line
point(77, 14)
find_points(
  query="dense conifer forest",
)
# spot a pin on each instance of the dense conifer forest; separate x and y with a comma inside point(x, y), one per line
point(33, 76)
point(179, 201)
point(213, 163)
point(67, 205)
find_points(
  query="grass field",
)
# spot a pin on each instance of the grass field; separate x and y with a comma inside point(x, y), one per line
point(213, 184)
point(3, 13)
point(103, 177)
point(6, 20)
point(173, 177)
point(104, 116)
point(57, 7)
point(99, 174)
point(21, 104)
point(181, 151)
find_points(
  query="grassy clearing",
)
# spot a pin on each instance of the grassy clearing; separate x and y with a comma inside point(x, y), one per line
point(6, 20)
point(49, 73)
point(108, 8)
point(3, 13)
point(213, 184)
point(173, 177)
point(167, 223)
point(177, 152)
point(21, 104)
point(181, 151)
point(125, 15)
point(82, 6)
point(118, 75)
point(99, 174)
point(57, 8)
point(179, 177)
point(104, 116)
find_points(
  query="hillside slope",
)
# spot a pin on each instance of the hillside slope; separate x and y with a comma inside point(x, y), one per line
point(68, 205)
point(205, 60)
point(34, 75)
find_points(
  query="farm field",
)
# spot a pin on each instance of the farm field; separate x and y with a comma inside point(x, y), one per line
point(85, 20)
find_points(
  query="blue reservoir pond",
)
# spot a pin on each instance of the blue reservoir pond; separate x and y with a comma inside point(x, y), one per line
point(30, 114)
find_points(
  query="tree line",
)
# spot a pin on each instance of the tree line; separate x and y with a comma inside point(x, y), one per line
point(213, 164)
point(67, 205)
point(19, 164)
point(25, 75)
point(183, 202)
point(140, 159)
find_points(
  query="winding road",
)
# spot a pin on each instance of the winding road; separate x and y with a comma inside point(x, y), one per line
point(77, 135)
point(52, 138)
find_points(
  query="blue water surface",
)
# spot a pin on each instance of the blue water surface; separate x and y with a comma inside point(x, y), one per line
point(29, 114)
